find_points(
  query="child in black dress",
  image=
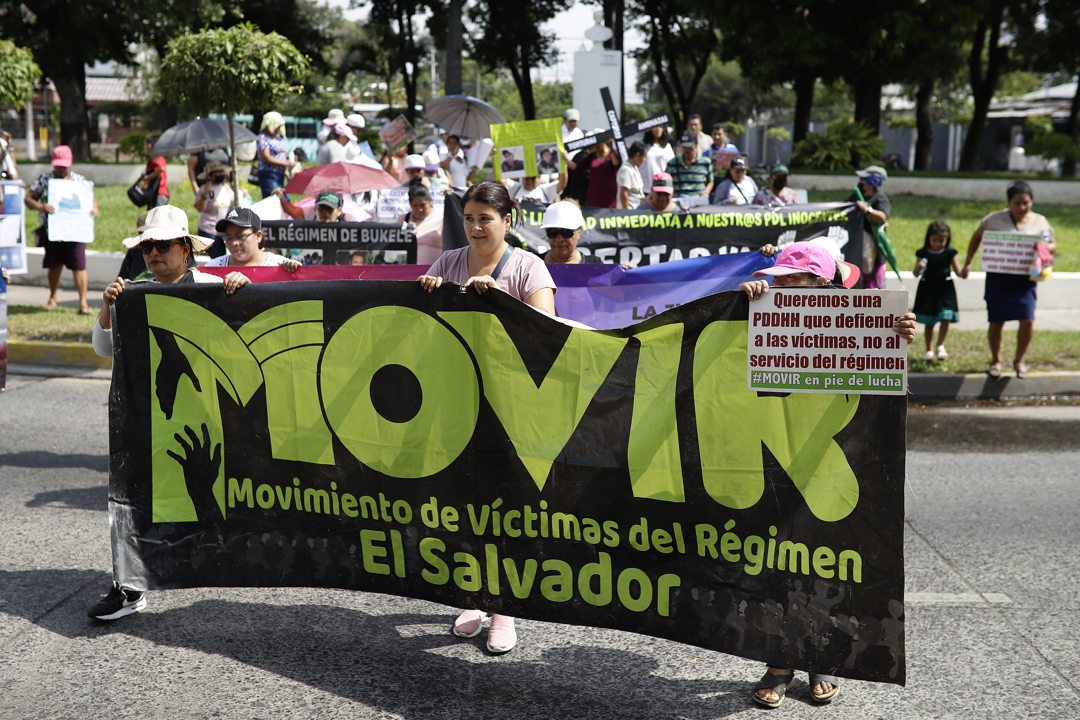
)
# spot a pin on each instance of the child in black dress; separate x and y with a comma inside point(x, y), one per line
point(935, 300)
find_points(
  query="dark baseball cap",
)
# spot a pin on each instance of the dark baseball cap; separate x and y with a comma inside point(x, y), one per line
point(240, 217)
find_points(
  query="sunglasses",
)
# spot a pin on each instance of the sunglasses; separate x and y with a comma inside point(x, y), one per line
point(553, 233)
point(162, 246)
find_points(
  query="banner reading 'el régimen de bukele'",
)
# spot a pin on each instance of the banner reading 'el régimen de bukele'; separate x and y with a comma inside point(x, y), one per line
point(472, 451)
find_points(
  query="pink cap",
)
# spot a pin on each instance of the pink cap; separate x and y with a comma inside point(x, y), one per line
point(61, 156)
point(802, 257)
point(662, 182)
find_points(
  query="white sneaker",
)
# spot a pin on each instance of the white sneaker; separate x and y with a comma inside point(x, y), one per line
point(928, 355)
point(942, 353)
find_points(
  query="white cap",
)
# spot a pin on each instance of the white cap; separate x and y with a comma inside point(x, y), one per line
point(356, 120)
point(414, 161)
point(166, 222)
point(563, 214)
point(334, 117)
point(571, 114)
point(431, 156)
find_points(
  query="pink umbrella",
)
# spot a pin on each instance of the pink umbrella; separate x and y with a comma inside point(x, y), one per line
point(340, 177)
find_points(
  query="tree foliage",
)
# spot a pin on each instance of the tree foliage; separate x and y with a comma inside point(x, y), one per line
point(18, 74)
point(679, 44)
point(231, 70)
point(843, 145)
point(64, 37)
point(507, 36)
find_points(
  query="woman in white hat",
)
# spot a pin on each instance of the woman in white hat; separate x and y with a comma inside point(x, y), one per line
point(168, 250)
point(167, 247)
point(563, 224)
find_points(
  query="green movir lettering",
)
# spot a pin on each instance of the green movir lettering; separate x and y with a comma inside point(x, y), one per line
point(321, 390)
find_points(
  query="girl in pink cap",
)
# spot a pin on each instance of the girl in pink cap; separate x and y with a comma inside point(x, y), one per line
point(808, 264)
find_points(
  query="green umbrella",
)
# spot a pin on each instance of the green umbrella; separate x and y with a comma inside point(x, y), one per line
point(882, 241)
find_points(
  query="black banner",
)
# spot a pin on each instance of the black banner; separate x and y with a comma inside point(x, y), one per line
point(472, 451)
point(336, 243)
point(641, 237)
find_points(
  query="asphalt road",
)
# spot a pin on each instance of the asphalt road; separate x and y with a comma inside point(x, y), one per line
point(993, 619)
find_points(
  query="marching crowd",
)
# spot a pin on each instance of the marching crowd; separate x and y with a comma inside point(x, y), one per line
point(701, 169)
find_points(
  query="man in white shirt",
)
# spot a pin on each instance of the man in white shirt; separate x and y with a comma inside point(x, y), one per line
point(570, 129)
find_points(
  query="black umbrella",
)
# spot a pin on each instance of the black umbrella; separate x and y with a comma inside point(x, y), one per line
point(199, 135)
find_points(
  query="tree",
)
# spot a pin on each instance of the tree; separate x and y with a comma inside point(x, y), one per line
point(508, 37)
point(249, 70)
point(64, 37)
point(992, 41)
point(679, 43)
point(18, 74)
point(796, 51)
point(1051, 50)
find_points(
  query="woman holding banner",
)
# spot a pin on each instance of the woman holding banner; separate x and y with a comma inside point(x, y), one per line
point(169, 251)
point(490, 262)
point(1011, 297)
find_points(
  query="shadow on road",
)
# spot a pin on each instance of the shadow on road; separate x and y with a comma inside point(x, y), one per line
point(88, 498)
point(398, 663)
point(45, 459)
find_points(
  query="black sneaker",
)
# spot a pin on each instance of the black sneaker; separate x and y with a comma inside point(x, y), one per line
point(118, 603)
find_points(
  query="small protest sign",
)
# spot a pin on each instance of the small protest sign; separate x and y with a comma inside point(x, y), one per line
point(72, 221)
point(394, 203)
point(1008, 253)
point(721, 161)
point(13, 227)
point(397, 133)
point(527, 149)
point(819, 340)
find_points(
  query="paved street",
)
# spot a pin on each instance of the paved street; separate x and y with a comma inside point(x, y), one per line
point(993, 616)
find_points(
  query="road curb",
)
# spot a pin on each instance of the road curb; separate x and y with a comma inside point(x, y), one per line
point(929, 387)
point(69, 354)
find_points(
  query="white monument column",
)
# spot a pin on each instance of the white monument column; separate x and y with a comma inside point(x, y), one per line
point(594, 69)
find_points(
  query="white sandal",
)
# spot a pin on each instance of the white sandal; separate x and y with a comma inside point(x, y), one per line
point(942, 353)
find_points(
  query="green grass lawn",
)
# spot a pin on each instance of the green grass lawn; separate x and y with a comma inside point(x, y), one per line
point(911, 214)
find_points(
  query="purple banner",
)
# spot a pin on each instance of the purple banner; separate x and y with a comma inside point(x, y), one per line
point(606, 297)
point(599, 295)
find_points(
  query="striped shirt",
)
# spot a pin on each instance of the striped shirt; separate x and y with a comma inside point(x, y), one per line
point(690, 180)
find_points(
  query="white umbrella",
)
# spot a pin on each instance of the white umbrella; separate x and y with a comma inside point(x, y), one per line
point(199, 135)
point(463, 115)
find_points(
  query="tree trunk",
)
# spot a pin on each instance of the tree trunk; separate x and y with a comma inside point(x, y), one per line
point(1072, 129)
point(614, 11)
point(983, 86)
point(74, 120)
point(410, 94)
point(868, 103)
point(232, 158)
point(924, 125)
point(804, 103)
point(453, 49)
point(525, 88)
